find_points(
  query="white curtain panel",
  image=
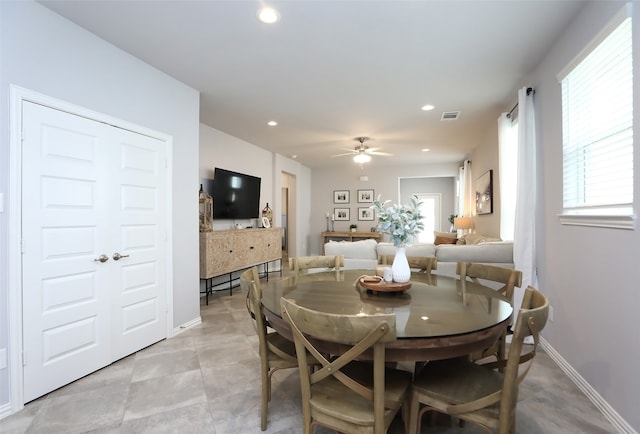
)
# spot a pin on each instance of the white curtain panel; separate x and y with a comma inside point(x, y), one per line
point(524, 255)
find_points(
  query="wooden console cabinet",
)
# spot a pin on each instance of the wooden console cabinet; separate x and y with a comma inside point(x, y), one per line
point(223, 252)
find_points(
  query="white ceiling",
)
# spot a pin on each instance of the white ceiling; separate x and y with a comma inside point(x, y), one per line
point(330, 71)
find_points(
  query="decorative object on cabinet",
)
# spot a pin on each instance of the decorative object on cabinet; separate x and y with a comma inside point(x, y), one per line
point(341, 196)
point(268, 214)
point(206, 211)
point(353, 227)
point(342, 214)
point(365, 196)
point(484, 193)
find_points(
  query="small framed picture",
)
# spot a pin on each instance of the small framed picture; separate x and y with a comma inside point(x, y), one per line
point(341, 196)
point(366, 214)
point(341, 214)
point(365, 196)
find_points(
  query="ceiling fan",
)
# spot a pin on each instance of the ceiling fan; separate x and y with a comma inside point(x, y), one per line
point(362, 153)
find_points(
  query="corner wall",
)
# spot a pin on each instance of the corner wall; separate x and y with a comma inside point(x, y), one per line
point(590, 274)
point(45, 53)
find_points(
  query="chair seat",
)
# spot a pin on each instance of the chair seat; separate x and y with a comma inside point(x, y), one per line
point(335, 400)
point(455, 381)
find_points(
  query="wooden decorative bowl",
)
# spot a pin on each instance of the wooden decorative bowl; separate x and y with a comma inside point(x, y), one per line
point(376, 284)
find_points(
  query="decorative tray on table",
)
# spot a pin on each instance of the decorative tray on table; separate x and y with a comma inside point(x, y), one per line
point(377, 284)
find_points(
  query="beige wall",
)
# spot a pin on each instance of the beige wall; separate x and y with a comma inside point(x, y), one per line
point(384, 181)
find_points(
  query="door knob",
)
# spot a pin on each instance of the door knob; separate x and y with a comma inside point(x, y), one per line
point(117, 256)
point(102, 258)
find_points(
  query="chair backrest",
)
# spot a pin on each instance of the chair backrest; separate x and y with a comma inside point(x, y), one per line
point(423, 263)
point(250, 282)
point(531, 319)
point(360, 333)
point(476, 272)
point(302, 264)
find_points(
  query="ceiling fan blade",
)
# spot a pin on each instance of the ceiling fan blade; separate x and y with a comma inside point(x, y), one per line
point(342, 155)
point(382, 154)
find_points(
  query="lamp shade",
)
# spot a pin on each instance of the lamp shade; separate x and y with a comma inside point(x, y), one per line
point(463, 223)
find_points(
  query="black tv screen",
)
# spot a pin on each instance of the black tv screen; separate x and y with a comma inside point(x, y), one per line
point(235, 195)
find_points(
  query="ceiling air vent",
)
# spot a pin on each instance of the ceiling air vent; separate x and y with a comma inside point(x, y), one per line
point(450, 116)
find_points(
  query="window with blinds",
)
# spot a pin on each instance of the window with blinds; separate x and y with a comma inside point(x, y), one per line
point(597, 131)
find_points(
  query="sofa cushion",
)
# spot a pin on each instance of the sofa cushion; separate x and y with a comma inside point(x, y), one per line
point(444, 240)
point(476, 239)
point(363, 249)
point(412, 250)
point(437, 234)
point(501, 252)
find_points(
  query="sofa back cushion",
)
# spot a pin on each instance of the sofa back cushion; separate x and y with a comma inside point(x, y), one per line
point(501, 252)
point(413, 250)
point(364, 249)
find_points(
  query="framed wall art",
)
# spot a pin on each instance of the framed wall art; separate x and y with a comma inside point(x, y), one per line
point(341, 214)
point(341, 196)
point(366, 214)
point(484, 193)
point(365, 196)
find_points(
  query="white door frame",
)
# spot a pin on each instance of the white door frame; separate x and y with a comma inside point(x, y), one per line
point(17, 96)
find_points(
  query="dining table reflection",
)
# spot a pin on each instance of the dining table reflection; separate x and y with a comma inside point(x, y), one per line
point(437, 317)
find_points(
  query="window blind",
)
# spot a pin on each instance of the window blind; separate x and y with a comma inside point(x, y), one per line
point(597, 110)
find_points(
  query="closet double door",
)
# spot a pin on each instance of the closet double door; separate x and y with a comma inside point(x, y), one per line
point(93, 241)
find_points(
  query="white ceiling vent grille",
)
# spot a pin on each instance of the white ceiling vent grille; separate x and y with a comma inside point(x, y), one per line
point(450, 116)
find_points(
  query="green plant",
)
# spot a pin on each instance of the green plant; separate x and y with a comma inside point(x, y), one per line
point(353, 226)
point(451, 217)
point(401, 222)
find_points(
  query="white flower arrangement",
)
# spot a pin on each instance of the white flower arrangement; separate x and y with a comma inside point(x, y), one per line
point(401, 222)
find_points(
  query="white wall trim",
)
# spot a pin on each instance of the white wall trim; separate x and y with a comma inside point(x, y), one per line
point(186, 326)
point(17, 97)
point(609, 413)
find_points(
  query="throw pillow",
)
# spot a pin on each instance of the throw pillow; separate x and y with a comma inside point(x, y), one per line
point(444, 240)
point(437, 234)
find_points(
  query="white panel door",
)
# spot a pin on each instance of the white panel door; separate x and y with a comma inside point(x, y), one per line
point(138, 222)
point(88, 189)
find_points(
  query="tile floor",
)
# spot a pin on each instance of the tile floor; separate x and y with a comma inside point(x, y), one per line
point(206, 380)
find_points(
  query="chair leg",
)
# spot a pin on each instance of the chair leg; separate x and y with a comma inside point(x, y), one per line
point(266, 396)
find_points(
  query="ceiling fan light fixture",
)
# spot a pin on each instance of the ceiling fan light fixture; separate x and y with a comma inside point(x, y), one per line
point(362, 158)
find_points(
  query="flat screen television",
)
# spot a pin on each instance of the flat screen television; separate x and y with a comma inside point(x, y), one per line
point(235, 195)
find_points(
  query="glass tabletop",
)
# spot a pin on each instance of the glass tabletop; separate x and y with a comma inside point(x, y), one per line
point(434, 306)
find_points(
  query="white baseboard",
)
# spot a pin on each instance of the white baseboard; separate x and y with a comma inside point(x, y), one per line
point(609, 413)
point(5, 410)
point(186, 326)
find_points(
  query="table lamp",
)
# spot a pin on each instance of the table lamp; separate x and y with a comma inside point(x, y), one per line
point(463, 223)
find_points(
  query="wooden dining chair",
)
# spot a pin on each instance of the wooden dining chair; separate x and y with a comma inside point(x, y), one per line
point(424, 264)
point(343, 394)
point(302, 264)
point(276, 352)
point(505, 280)
point(481, 394)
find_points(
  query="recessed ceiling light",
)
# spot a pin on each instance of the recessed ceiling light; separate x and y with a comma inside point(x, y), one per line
point(425, 149)
point(268, 15)
point(272, 123)
point(294, 156)
point(427, 107)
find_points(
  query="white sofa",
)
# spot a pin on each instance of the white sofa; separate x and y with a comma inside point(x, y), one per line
point(364, 254)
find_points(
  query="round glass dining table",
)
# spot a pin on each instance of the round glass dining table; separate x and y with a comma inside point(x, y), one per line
point(438, 317)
